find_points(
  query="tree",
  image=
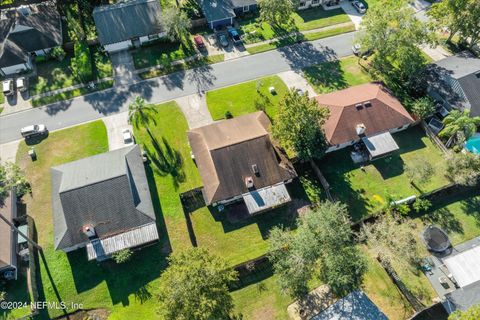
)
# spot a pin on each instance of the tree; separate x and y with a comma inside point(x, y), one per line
point(391, 240)
point(394, 34)
point(3, 295)
point(176, 24)
point(459, 127)
point(140, 113)
point(277, 12)
point(463, 168)
point(122, 256)
point(321, 246)
point(195, 287)
point(58, 53)
point(472, 313)
point(298, 123)
point(459, 17)
point(423, 107)
point(419, 170)
point(81, 63)
point(12, 177)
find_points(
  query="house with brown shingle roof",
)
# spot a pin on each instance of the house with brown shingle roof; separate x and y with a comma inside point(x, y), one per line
point(238, 162)
point(368, 113)
point(8, 238)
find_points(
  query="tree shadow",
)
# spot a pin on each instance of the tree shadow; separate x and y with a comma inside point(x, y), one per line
point(305, 54)
point(54, 108)
point(471, 207)
point(445, 219)
point(202, 77)
point(328, 76)
point(143, 293)
point(389, 167)
point(166, 160)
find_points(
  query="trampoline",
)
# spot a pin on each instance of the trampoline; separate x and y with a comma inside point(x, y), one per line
point(436, 239)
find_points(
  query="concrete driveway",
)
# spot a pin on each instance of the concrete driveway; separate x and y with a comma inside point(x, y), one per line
point(352, 13)
point(8, 151)
point(293, 79)
point(115, 125)
point(195, 109)
point(123, 68)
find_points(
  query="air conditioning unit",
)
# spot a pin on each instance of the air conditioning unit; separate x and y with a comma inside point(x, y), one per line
point(249, 182)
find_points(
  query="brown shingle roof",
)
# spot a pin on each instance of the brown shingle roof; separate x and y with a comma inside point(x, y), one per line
point(385, 112)
point(225, 152)
point(7, 237)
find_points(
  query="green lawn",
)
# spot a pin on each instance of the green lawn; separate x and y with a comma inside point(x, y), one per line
point(335, 75)
point(161, 53)
point(110, 286)
point(17, 291)
point(365, 190)
point(240, 99)
point(315, 18)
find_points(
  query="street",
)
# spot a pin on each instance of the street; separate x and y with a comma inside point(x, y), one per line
point(112, 101)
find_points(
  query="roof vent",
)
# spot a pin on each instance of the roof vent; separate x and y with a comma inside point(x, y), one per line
point(359, 106)
point(249, 182)
point(214, 4)
point(24, 11)
point(89, 231)
point(367, 104)
point(360, 129)
point(255, 169)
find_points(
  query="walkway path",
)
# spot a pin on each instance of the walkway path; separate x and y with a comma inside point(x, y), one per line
point(295, 79)
point(115, 125)
point(195, 109)
point(8, 151)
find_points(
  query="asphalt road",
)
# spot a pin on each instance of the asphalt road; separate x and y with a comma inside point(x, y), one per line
point(100, 104)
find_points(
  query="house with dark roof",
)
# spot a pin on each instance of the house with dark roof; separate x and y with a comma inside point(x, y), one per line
point(103, 203)
point(368, 113)
point(8, 239)
point(455, 82)
point(27, 31)
point(128, 24)
point(238, 162)
point(220, 13)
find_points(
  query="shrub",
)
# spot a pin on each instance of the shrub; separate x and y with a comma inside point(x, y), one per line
point(58, 53)
point(122, 255)
point(82, 63)
point(228, 115)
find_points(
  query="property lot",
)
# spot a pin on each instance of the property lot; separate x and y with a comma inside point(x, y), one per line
point(16, 292)
point(240, 99)
point(161, 52)
point(365, 189)
point(336, 75)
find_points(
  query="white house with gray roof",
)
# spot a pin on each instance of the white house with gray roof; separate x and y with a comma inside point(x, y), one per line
point(128, 24)
point(456, 82)
point(103, 203)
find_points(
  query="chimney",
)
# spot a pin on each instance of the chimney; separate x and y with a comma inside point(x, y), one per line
point(249, 182)
point(89, 231)
point(360, 129)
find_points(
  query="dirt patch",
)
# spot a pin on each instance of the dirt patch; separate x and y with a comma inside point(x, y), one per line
point(94, 314)
point(265, 313)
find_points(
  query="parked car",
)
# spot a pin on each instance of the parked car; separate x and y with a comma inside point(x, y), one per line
point(232, 32)
point(128, 137)
point(222, 39)
point(21, 84)
point(199, 42)
point(359, 52)
point(7, 87)
point(33, 131)
point(356, 49)
point(359, 6)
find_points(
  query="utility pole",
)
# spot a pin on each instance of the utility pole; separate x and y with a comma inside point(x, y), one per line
point(12, 226)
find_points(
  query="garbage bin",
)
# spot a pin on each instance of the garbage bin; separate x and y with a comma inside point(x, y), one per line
point(32, 154)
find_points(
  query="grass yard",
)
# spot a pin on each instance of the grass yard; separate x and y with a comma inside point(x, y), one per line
point(17, 291)
point(315, 18)
point(240, 99)
point(161, 53)
point(70, 277)
point(365, 190)
point(335, 75)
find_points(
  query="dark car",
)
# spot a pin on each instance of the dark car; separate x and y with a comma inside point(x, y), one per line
point(222, 40)
point(233, 33)
point(199, 42)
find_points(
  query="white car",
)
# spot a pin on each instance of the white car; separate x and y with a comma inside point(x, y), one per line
point(21, 84)
point(7, 87)
point(360, 7)
point(356, 49)
point(33, 130)
point(128, 137)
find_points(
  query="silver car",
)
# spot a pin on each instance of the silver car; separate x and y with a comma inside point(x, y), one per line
point(33, 130)
point(7, 87)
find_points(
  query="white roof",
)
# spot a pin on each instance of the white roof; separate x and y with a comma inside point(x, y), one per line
point(265, 198)
point(465, 266)
point(380, 144)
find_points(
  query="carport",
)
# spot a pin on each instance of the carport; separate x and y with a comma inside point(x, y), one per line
point(465, 266)
point(380, 145)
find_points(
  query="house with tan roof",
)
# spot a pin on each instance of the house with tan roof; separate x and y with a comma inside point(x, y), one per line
point(237, 161)
point(368, 113)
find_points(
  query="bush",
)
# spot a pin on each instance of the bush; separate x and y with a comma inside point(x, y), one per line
point(228, 115)
point(82, 62)
point(58, 53)
point(122, 255)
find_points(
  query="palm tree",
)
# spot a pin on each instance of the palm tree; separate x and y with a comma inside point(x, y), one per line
point(140, 113)
point(459, 126)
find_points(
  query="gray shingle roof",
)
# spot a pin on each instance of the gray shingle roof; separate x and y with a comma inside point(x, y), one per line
point(465, 68)
point(222, 9)
point(108, 191)
point(463, 298)
point(127, 20)
point(8, 239)
point(41, 29)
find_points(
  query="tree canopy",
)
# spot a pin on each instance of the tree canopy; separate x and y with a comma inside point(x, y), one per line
point(298, 125)
point(140, 113)
point(459, 126)
point(419, 170)
point(321, 246)
point(473, 313)
point(195, 287)
point(423, 107)
point(277, 12)
point(176, 24)
point(11, 176)
point(463, 168)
